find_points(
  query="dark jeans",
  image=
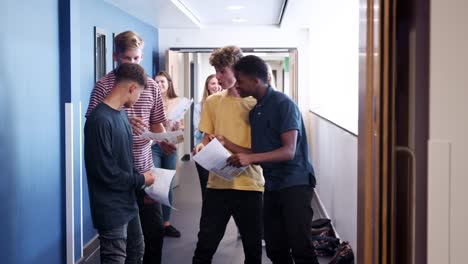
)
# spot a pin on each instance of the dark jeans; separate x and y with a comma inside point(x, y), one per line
point(168, 162)
point(153, 231)
point(217, 209)
point(123, 244)
point(287, 215)
point(203, 176)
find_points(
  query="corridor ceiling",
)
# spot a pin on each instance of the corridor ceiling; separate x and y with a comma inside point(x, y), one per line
point(218, 13)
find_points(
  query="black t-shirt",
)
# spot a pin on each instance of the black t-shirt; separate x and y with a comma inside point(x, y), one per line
point(112, 177)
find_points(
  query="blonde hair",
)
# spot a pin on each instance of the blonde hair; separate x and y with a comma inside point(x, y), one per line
point(225, 57)
point(271, 77)
point(206, 91)
point(127, 40)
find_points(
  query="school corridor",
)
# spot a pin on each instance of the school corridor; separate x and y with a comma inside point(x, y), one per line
point(381, 86)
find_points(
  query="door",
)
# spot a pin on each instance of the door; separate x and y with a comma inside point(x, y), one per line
point(393, 125)
point(376, 137)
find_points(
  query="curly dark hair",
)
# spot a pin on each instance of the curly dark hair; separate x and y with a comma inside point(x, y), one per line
point(131, 72)
point(252, 66)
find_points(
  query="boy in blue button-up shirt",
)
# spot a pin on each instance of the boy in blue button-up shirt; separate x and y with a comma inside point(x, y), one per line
point(279, 145)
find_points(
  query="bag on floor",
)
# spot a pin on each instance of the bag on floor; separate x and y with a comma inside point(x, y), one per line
point(344, 254)
point(323, 237)
point(322, 227)
point(325, 246)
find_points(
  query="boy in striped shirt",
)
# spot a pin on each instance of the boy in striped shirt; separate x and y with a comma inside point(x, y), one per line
point(147, 112)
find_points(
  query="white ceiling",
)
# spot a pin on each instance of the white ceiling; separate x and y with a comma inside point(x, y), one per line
point(215, 13)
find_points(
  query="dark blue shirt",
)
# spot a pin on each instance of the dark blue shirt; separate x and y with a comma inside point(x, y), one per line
point(273, 115)
point(112, 177)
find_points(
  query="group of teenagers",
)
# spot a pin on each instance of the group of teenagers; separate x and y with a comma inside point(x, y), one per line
point(261, 127)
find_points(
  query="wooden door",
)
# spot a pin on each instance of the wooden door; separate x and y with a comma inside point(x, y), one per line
point(376, 136)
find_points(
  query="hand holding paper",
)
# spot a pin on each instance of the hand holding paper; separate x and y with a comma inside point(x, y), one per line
point(213, 157)
point(159, 191)
point(174, 137)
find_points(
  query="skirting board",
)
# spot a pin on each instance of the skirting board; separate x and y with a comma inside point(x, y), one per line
point(90, 251)
point(320, 211)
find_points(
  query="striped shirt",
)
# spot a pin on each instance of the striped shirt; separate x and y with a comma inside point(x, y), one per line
point(149, 107)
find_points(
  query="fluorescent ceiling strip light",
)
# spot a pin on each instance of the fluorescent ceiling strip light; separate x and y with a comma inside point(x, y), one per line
point(195, 50)
point(184, 9)
point(235, 7)
point(271, 50)
point(239, 20)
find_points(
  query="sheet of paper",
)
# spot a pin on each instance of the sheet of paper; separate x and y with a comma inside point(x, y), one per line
point(213, 158)
point(174, 137)
point(159, 191)
point(179, 110)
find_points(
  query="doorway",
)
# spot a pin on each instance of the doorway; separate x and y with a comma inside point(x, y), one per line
point(189, 68)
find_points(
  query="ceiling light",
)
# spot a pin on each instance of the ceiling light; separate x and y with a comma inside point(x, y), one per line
point(239, 20)
point(187, 11)
point(235, 7)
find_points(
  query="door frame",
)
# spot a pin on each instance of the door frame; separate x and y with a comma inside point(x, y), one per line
point(379, 125)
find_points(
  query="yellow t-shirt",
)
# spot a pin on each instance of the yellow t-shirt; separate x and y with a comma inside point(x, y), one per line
point(228, 116)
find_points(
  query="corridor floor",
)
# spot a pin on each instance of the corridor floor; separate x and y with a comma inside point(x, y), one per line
point(187, 201)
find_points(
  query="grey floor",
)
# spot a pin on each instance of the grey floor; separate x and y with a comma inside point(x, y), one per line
point(187, 201)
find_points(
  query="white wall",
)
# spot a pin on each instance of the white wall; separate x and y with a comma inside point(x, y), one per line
point(205, 70)
point(333, 93)
point(334, 61)
point(251, 37)
point(448, 134)
point(334, 156)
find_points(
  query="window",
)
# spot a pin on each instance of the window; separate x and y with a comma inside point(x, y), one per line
point(99, 53)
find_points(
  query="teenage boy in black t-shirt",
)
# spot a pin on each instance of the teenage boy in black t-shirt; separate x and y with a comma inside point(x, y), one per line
point(112, 177)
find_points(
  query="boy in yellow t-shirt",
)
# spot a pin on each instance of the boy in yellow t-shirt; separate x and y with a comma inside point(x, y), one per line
point(226, 114)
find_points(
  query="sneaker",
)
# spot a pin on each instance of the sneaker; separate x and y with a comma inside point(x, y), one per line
point(171, 231)
point(185, 157)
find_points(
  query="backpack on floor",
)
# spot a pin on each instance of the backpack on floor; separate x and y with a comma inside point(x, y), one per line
point(343, 255)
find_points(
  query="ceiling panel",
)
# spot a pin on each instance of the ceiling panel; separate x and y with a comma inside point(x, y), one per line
point(217, 13)
point(209, 13)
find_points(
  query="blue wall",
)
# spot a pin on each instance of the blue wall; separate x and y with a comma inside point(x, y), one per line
point(31, 182)
point(111, 20)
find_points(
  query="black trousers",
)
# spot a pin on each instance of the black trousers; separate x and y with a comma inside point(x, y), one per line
point(287, 217)
point(203, 176)
point(218, 207)
point(153, 231)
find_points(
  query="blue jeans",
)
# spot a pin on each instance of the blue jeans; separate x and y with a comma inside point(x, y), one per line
point(123, 244)
point(169, 162)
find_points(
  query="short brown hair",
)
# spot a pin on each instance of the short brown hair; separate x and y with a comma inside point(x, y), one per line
point(225, 57)
point(128, 40)
point(131, 72)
